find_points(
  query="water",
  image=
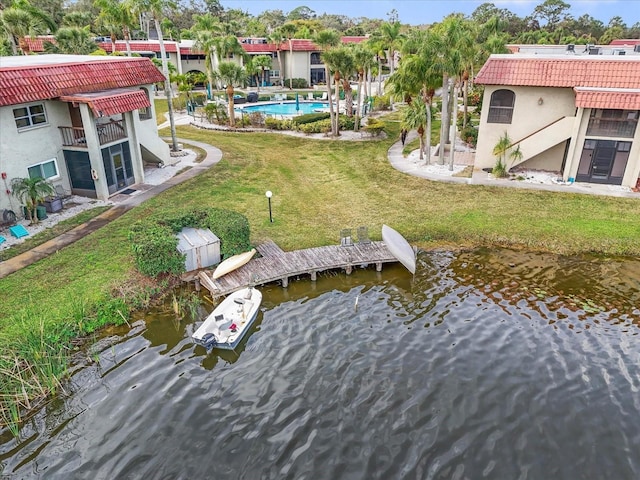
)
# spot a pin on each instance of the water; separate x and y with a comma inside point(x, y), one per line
point(488, 364)
point(287, 108)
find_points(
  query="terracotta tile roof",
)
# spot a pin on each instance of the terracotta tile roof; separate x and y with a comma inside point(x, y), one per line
point(626, 41)
point(139, 46)
point(260, 47)
point(111, 102)
point(30, 78)
point(36, 44)
point(555, 71)
point(618, 99)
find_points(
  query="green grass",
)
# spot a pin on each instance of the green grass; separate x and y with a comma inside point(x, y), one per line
point(319, 187)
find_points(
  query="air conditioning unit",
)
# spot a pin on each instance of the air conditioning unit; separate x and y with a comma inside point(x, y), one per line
point(594, 51)
point(571, 48)
point(636, 48)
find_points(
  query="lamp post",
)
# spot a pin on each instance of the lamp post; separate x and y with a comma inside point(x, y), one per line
point(269, 195)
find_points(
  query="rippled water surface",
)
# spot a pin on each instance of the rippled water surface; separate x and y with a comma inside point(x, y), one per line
point(487, 364)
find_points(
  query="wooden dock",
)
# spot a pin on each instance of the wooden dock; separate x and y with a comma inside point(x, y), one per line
point(276, 265)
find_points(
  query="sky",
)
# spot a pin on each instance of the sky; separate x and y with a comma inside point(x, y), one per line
point(417, 12)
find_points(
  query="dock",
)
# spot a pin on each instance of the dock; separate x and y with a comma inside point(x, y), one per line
point(276, 265)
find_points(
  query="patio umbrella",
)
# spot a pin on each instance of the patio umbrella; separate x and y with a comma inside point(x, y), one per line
point(297, 103)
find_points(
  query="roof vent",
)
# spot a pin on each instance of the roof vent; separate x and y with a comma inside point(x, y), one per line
point(571, 48)
point(636, 48)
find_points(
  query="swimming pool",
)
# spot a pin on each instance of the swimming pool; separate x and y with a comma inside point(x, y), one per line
point(286, 108)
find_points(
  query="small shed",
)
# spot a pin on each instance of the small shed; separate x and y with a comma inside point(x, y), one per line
point(201, 247)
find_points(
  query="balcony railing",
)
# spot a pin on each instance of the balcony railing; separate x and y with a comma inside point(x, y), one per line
point(612, 127)
point(107, 133)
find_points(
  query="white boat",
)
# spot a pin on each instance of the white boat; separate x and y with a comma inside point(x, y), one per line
point(232, 263)
point(399, 248)
point(229, 321)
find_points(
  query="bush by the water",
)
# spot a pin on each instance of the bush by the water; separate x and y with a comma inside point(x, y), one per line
point(154, 241)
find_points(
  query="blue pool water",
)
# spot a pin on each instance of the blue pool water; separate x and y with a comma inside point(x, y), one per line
point(287, 108)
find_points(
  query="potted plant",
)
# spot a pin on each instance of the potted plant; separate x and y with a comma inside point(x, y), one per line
point(31, 192)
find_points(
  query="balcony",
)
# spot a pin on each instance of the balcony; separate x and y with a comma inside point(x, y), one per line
point(107, 133)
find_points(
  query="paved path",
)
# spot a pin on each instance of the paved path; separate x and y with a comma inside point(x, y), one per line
point(123, 203)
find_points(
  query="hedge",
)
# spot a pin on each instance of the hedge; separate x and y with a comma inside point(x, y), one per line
point(154, 241)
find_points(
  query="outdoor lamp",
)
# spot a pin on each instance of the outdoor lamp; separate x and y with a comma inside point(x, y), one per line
point(269, 195)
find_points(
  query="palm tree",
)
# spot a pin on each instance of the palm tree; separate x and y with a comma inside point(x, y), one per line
point(414, 117)
point(72, 41)
point(325, 40)
point(446, 47)
point(115, 12)
point(289, 30)
point(17, 24)
point(31, 192)
point(157, 9)
point(230, 73)
point(206, 28)
point(417, 78)
point(344, 66)
point(262, 62)
point(228, 45)
point(364, 60)
point(390, 35)
point(277, 37)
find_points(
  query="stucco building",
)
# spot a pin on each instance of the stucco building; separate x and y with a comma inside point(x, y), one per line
point(84, 123)
point(300, 59)
point(574, 114)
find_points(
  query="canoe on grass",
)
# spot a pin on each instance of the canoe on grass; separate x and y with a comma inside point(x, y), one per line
point(229, 322)
point(231, 263)
point(399, 248)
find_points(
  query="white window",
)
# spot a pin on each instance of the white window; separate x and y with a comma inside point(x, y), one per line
point(29, 116)
point(46, 170)
point(275, 73)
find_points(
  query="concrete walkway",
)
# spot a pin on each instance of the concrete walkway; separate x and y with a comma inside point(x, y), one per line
point(123, 203)
point(480, 177)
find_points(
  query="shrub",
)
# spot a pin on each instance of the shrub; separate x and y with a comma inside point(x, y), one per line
point(381, 103)
point(154, 240)
point(474, 99)
point(256, 119)
point(199, 98)
point(276, 124)
point(460, 119)
point(321, 126)
point(310, 118)
point(216, 113)
point(179, 102)
point(374, 127)
point(296, 83)
point(347, 123)
point(469, 135)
